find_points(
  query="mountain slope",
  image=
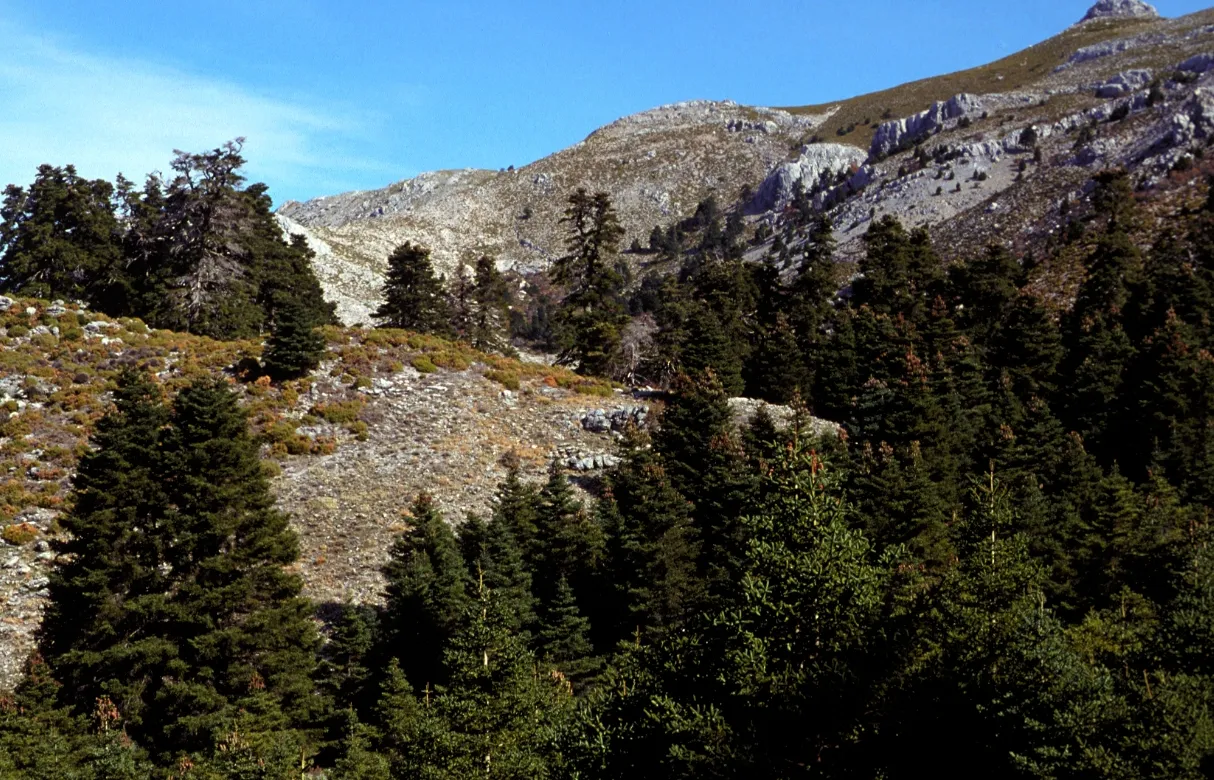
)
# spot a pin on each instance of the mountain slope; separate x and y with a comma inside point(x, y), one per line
point(659, 164)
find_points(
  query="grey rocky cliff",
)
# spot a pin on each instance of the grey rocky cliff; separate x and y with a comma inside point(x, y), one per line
point(895, 134)
point(1121, 9)
point(815, 161)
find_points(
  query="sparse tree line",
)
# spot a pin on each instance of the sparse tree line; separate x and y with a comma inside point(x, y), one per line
point(196, 251)
point(1002, 567)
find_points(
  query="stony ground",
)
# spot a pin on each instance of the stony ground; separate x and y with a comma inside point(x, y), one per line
point(390, 413)
point(445, 433)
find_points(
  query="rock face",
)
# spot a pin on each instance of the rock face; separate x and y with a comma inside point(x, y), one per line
point(815, 161)
point(1123, 83)
point(1121, 9)
point(896, 134)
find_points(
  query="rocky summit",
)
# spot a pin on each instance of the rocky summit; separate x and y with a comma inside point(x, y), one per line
point(1121, 9)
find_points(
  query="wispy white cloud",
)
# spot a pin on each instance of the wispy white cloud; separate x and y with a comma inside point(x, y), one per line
point(108, 115)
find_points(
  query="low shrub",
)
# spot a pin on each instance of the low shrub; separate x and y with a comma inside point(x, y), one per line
point(424, 364)
point(507, 379)
point(19, 533)
point(339, 412)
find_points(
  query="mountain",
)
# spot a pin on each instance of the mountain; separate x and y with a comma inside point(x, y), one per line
point(659, 164)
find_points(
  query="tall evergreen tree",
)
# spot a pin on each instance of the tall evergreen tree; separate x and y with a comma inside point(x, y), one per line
point(491, 296)
point(568, 543)
point(295, 347)
point(426, 594)
point(592, 312)
point(414, 298)
point(177, 605)
point(652, 549)
point(104, 632)
point(246, 643)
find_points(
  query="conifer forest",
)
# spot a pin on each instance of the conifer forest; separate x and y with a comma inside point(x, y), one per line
point(994, 563)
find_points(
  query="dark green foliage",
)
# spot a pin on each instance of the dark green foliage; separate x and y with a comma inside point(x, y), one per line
point(295, 347)
point(61, 239)
point(592, 312)
point(567, 544)
point(495, 558)
point(197, 253)
point(176, 606)
point(564, 635)
point(1002, 561)
point(491, 298)
point(497, 717)
point(427, 594)
point(414, 298)
point(652, 550)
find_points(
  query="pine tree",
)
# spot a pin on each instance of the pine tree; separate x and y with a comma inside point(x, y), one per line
point(199, 237)
point(414, 298)
point(295, 348)
point(410, 732)
point(426, 594)
point(282, 270)
point(986, 289)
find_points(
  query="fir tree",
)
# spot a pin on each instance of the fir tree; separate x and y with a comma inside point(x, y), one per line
point(487, 329)
point(564, 636)
point(567, 545)
point(413, 296)
point(499, 717)
point(652, 549)
point(516, 504)
point(492, 554)
point(104, 632)
point(245, 639)
point(177, 606)
point(61, 239)
point(591, 313)
point(295, 348)
point(426, 594)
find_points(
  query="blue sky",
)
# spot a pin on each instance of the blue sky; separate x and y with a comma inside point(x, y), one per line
point(335, 96)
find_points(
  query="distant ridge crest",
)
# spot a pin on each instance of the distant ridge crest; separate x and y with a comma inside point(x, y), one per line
point(1121, 9)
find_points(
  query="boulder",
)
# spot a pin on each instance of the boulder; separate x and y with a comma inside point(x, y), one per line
point(776, 191)
point(744, 410)
point(1123, 83)
point(1198, 63)
point(1120, 9)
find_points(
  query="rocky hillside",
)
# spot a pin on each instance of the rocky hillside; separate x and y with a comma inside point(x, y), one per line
point(1121, 63)
point(657, 165)
point(388, 414)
